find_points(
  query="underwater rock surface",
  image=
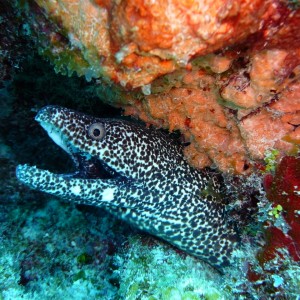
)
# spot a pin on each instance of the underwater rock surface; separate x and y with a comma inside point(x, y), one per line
point(226, 75)
point(284, 191)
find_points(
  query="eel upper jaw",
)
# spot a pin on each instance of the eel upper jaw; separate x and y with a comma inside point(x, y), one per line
point(57, 136)
point(87, 166)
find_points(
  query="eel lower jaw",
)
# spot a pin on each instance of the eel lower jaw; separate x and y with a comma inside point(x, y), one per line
point(35, 177)
point(30, 175)
point(85, 168)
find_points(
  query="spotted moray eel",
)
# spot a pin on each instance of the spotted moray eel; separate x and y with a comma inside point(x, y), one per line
point(150, 185)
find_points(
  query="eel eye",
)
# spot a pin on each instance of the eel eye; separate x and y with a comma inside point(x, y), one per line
point(96, 131)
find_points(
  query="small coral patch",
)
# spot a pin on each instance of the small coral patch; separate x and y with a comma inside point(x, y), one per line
point(284, 192)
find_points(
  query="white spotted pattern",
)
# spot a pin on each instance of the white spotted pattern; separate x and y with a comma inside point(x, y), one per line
point(153, 188)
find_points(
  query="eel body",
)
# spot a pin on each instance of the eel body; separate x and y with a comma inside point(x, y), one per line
point(149, 183)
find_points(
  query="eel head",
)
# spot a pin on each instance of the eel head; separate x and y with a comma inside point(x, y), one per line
point(97, 144)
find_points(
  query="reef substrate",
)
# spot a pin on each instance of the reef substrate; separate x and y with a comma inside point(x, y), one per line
point(226, 75)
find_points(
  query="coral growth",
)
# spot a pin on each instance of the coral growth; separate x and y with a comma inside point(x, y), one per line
point(284, 191)
point(197, 114)
point(133, 42)
point(226, 75)
point(229, 134)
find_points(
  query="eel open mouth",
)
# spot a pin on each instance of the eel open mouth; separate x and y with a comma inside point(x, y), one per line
point(90, 168)
point(86, 166)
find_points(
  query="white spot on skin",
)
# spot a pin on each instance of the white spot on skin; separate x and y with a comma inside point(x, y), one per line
point(108, 194)
point(76, 190)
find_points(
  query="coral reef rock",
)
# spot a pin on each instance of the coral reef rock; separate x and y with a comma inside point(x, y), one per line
point(226, 74)
point(136, 41)
point(284, 190)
